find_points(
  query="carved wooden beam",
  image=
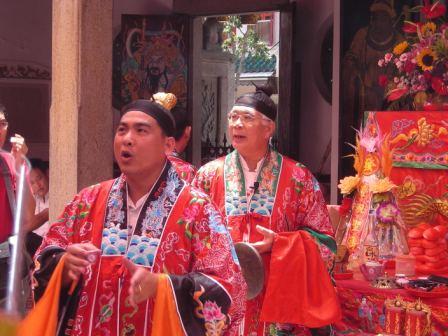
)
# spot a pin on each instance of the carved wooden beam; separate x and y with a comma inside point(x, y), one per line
point(23, 71)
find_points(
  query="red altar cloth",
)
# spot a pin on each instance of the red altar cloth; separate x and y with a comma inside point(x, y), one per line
point(419, 140)
point(351, 293)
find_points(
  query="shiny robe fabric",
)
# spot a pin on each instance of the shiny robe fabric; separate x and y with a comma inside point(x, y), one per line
point(185, 170)
point(179, 232)
point(287, 199)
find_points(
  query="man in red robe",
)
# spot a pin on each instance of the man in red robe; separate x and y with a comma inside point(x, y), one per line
point(182, 136)
point(140, 245)
point(275, 204)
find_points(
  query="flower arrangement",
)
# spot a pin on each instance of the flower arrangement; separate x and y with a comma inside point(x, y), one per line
point(372, 155)
point(417, 68)
point(387, 212)
point(349, 184)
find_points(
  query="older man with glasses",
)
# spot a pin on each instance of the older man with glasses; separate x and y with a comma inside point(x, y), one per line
point(274, 204)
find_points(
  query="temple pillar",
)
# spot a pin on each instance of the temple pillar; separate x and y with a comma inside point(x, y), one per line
point(81, 111)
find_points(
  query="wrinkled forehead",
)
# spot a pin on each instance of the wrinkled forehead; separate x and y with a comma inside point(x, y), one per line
point(244, 109)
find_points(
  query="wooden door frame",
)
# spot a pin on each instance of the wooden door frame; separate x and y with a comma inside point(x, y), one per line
point(287, 120)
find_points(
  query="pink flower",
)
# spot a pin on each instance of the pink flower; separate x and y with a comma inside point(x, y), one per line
point(388, 57)
point(387, 212)
point(190, 213)
point(403, 57)
point(212, 312)
point(381, 63)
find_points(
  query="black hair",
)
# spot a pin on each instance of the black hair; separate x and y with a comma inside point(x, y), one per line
point(180, 117)
point(39, 164)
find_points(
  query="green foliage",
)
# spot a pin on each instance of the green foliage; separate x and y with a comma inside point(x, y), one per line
point(242, 43)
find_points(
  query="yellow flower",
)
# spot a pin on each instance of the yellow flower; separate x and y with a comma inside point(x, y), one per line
point(348, 184)
point(400, 48)
point(382, 185)
point(426, 59)
point(429, 28)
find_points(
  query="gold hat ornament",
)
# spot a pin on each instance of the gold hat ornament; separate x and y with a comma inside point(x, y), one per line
point(167, 100)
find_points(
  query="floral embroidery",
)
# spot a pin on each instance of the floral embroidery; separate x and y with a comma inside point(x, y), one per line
point(191, 212)
point(175, 256)
point(297, 178)
point(215, 322)
point(212, 312)
point(185, 170)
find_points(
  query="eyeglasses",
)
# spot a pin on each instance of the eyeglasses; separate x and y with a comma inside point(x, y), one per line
point(246, 118)
point(3, 124)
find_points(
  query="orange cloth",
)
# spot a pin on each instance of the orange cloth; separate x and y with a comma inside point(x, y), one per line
point(166, 320)
point(299, 289)
point(43, 319)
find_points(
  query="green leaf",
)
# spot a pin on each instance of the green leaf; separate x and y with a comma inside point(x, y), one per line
point(83, 214)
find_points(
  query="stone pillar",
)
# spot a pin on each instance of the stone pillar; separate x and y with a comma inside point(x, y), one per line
point(81, 111)
point(218, 73)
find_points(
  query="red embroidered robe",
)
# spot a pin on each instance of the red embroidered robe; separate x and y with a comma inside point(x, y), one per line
point(185, 170)
point(286, 198)
point(179, 232)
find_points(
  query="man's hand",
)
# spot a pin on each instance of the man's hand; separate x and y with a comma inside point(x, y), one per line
point(143, 283)
point(19, 149)
point(77, 258)
point(264, 245)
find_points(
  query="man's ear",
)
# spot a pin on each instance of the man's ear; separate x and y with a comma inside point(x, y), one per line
point(170, 143)
point(270, 129)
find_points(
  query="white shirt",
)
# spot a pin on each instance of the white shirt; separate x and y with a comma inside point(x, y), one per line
point(42, 204)
point(134, 212)
point(250, 177)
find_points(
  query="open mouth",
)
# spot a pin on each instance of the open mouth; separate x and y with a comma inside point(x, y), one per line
point(126, 154)
point(238, 137)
